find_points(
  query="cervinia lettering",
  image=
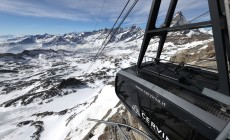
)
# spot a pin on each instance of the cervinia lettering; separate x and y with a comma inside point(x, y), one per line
point(157, 130)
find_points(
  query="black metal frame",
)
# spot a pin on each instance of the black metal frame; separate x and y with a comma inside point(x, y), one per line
point(221, 42)
point(220, 35)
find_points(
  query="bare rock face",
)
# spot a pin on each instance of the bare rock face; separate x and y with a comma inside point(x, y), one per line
point(178, 20)
point(133, 122)
point(122, 116)
point(112, 132)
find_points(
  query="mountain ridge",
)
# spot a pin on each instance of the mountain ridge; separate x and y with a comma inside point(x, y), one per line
point(74, 40)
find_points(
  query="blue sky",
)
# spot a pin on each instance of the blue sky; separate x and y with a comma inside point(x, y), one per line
point(21, 17)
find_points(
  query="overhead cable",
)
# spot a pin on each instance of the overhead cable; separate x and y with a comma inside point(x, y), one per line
point(100, 14)
point(105, 43)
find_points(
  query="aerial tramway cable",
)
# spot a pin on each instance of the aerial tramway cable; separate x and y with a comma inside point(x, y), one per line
point(112, 28)
point(121, 23)
point(199, 17)
point(100, 14)
point(105, 43)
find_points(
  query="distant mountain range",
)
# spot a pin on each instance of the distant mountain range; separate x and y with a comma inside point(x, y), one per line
point(74, 41)
point(46, 41)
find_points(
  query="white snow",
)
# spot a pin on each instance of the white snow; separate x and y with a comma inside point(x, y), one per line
point(106, 100)
point(92, 101)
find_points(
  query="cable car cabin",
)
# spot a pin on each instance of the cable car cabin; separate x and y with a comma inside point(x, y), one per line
point(177, 101)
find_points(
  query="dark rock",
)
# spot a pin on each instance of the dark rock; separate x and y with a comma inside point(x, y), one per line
point(71, 83)
point(30, 97)
point(63, 112)
point(91, 135)
point(24, 123)
point(39, 126)
point(8, 71)
point(112, 83)
point(43, 114)
point(66, 93)
point(37, 123)
point(49, 113)
point(10, 56)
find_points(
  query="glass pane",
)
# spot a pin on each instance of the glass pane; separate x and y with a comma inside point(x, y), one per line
point(192, 47)
point(162, 12)
point(193, 11)
point(186, 12)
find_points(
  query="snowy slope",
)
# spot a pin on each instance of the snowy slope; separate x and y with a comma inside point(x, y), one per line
point(30, 89)
point(31, 104)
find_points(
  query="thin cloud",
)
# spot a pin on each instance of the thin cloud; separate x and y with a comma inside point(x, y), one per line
point(33, 8)
point(88, 10)
point(84, 10)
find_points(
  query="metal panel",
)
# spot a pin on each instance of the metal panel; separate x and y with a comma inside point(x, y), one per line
point(182, 27)
point(202, 115)
point(219, 42)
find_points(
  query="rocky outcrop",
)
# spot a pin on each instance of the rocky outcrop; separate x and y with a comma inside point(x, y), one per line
point(29, 98)
point(71, 83)
point(200, 56)
point(111, 132)
point(37, 124)
point(39, 129)
point(49, 113)
point(24, 123)
point(121, 116)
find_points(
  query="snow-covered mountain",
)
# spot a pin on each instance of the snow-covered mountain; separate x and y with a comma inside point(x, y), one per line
point(47, 90)
point(179, 19)
point(70, 41)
